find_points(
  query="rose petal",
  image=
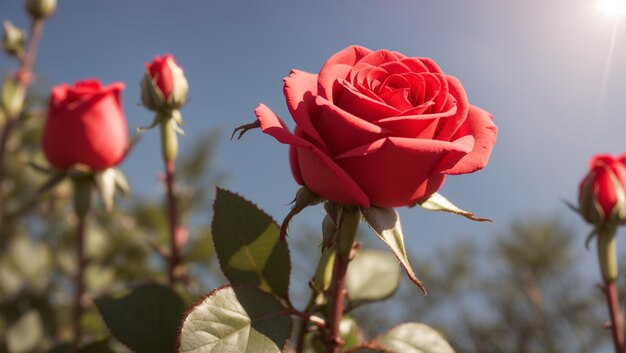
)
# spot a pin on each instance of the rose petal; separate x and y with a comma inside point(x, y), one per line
point(317, 171)
point(431, 65)
point(363, 106)
point(412, 128)
point(295, 166)
point(398, 98)
point(338, 66)
point(417, 146)
point(478, 124)
point(365, 75)
point(396, 172)
point(452, 111)
point(376, 58)
point(300, 89)
point(450, 126)
point(415, 65)
point(343, 131)
point(395, 67)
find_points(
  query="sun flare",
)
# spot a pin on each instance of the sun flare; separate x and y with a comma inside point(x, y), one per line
point(614, 8)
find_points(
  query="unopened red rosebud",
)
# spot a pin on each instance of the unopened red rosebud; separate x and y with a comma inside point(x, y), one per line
point(602, 195)
point(85, 125)
point(164, 85)
point(40, 9)
point(13, 39)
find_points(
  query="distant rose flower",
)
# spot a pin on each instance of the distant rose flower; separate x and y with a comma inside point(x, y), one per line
point(379, 128)
point(602, 195)
point(85, 125)
point(164, 85)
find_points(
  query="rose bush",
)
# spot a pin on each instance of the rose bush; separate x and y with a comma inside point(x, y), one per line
point(379, 128)
point(601, 193)
point(85, 125)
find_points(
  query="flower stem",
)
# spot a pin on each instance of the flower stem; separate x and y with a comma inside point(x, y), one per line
point(80, 287)
point(173, 259)
point(82, 202)
point(348, 227)
point(617, 321)
point(607, 256)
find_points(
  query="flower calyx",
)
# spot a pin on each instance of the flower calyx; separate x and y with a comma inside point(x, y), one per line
point(13, 40)
point(304, 198)
point(40, 9)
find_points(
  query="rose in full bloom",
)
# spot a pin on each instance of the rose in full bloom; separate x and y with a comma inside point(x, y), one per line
point(164, 85)
point(602, 195)
point(85, 125)
point(379, 128)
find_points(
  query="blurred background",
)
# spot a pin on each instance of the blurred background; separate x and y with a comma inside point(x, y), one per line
point(551, 73)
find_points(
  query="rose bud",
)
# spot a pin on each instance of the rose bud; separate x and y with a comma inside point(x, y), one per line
point(602, 195)
point(40, 9)
point(13, 39)
point(164, 85)
point(379, 128)
point(85, 125)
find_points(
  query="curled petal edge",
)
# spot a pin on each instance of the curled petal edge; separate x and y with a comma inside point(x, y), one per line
point(273, 126)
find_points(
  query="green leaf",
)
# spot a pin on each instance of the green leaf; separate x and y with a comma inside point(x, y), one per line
point(235, 319)
point(26, 334)
point(437, 202)
point(146, 319)
point(413, 338)
point(385, 222)
point(248, 245)
point(372, 275)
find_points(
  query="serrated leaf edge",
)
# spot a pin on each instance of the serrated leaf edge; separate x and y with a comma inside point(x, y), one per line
point(199, 301)
point(282, 239)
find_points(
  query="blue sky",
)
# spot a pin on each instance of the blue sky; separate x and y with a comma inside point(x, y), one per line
point(537, 66)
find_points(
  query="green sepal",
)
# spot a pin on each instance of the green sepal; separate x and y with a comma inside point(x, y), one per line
point(13, 97)
point(385, 222)
point(436, 202)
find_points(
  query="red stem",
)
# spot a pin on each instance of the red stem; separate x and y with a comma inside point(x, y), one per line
point(29, 59)
point(333, 342)
point(617, 321)
point(173, 259)
point(80, 287)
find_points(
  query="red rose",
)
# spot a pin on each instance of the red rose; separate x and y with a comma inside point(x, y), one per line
point(379, 128)
point(85, 125)
point(164, 85)
point(601, 194)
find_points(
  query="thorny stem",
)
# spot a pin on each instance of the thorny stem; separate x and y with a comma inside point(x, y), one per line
point(24, 77)
point(78, 294)
point(173, 259)
point(348, 227)
point(338, 292)
point(617, 321)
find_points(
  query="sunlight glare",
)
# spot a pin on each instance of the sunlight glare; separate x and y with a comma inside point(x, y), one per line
point(615, 8)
